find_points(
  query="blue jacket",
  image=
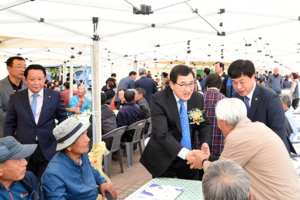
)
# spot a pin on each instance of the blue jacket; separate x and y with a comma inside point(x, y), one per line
point(203, 86)
point(149, 85)
point(30, 183)
point(19, 116)
point(125, 83)
point(276, 83)
point(65, 179)
point(75, 100)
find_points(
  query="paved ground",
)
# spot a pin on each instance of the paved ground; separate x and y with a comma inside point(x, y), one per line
point(132, 178)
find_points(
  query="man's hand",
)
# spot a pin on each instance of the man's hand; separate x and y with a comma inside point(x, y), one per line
point(77, 112)
point(196, 160)
point(82, 101)
point(106, 187)
point(190, 155)
point(74, 109)
point(205, 149)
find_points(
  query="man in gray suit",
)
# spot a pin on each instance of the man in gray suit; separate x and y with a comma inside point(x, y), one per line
point(11, 84)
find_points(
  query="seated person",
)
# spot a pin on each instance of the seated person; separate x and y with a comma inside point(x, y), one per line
point(257, 149)
point(65, 95)
point(70, 175)
point(110, 93)
point(79, 103)
point(15, 182)
point(224, 179)
point(130, 112)
point(108, 121)
point(287, 103)
point(56, 88)
point(116, 105)
point(141, 101)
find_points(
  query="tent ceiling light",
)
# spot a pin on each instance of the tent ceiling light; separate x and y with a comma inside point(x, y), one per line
point(259, 51)
point(221, 34)
point(157, 45)
point(221, 24)
point(248, 45)
point(145, 10)
point(221, 11)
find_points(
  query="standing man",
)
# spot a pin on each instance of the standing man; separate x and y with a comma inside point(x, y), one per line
point(126, 83)
point(147, 83)
point(32, 112)
point(149, 74)
point(263, 105)
point(49, 77)
point(219, 69)
point(173, 135)
point(11, 84)
point(206, 72)
point(275, 81)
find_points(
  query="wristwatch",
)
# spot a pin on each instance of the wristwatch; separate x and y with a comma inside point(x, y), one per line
point(203, 161)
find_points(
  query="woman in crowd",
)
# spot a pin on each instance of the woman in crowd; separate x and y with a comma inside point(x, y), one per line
point(295, 90)
point(110, 93)
point(50, 85)
point(56, 83)
point(70, 175)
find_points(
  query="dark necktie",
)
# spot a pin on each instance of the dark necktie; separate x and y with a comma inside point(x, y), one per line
point(247, 105)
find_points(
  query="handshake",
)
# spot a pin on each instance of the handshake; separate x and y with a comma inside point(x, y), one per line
point(195, 157)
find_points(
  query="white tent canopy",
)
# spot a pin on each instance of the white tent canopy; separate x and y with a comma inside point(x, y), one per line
point(265, 32)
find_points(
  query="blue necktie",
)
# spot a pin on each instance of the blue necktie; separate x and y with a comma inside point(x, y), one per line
point(185, 127)
point(34, 104)
point(247, 105)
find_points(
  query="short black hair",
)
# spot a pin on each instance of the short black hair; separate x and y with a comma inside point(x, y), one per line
point(141, 91)
point(46, 81)
point(181, 70)
point(114, 74)
point(67, 85)
point(129, 95)
point(213, 80)
point(241, 67)
point(103, 98)
point(164, 74)
point(221, 65)
point(121, 90)
point(206, 71)
point(55, 86)
point(270, 72)
point(49, 85)
point(132, 73)
point(10, 61)
point(34, 67)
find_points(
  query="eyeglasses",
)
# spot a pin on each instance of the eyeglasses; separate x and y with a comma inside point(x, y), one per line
point(184, 86)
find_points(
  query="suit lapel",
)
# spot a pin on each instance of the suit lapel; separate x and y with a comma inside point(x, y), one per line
point(46, 102)
point(26, 104)
point(172, 104)
point(254, 101)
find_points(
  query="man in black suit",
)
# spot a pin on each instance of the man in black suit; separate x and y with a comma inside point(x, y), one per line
point(170, 144)
point(263, 104)
point(31, 118)
point(219, 69)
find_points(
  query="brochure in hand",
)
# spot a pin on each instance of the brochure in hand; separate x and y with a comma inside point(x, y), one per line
point(160, 192)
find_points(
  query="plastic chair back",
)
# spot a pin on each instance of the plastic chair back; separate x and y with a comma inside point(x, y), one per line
point(138, 127)
point(116, 134)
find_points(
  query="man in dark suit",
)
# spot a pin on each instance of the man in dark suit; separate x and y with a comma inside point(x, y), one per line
point(263, 104)
point(147, 83)
point(31, 114)
point(219, 69)
point(173, 135)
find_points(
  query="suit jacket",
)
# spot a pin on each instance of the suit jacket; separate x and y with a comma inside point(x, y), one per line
point(149, 85)
point(266, 107)
point(125, 83)
point(256, 148)
point(224, 84)
point(145, 110)
point(19, 116)
point(164, 144)
point(5, 91)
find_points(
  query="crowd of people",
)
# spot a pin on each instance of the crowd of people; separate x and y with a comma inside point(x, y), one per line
point(232, 131)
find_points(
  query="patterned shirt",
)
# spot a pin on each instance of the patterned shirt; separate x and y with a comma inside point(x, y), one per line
point(211, 98)
point(16, 88)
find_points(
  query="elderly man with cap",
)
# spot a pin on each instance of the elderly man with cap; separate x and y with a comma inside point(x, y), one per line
point(15, 182)
point(70, 175)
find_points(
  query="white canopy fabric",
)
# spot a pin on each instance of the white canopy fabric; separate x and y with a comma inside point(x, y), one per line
point(263, 31)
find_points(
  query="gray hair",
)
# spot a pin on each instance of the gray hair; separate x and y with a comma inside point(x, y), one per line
point(225, 180)
point(231, 110)
point(285, 98)
point(141, 91)
point(142, 71)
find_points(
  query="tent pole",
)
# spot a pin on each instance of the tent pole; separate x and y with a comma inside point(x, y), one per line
point(59, 73)
point(71, 75)
point(96, 97)
point(187, 62)
point(64, 71)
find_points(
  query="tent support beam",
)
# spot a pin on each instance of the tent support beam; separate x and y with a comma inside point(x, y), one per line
point(13, 4)
point(64, 72)
point(71, 76)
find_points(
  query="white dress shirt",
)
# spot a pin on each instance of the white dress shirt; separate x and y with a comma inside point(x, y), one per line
point(250, 95)
point(184, 151)
point(40, 100)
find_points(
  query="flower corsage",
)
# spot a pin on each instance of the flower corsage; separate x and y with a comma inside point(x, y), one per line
point(196, 115)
